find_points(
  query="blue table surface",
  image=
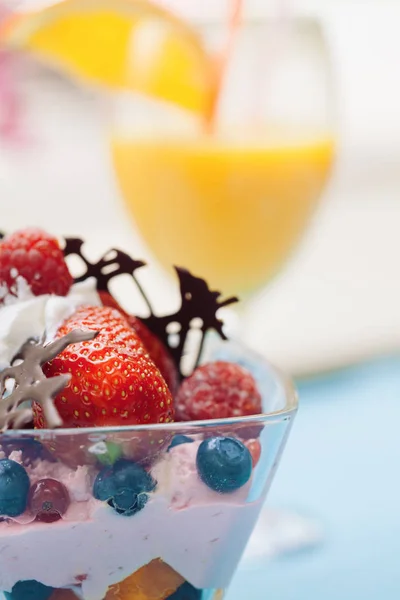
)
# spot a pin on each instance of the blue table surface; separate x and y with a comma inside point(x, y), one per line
point(341, 466)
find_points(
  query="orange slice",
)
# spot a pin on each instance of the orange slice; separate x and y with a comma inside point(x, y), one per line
point(123, 44)
point(155, 581)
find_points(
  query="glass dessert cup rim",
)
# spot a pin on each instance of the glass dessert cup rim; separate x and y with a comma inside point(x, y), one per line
point(290, 408)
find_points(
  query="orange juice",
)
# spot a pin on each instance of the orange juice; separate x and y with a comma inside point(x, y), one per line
point(230, 213)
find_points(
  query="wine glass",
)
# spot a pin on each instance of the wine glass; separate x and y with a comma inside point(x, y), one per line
point(232, 198)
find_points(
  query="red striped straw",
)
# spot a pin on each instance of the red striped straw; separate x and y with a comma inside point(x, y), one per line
point(272, 48)
point(235, 16)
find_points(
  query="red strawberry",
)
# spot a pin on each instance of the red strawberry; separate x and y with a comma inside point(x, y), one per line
point(108, 300)
point(37, 257)
point(154, 346)
point(114, 381)
point(217, 390)
point(158, 353)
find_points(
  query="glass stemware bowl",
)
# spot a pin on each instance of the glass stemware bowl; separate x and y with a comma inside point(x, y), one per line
point(233, 199)
point(158, 528)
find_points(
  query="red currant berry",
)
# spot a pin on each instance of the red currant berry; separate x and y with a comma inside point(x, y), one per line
point(254, 447)
point(48, 500)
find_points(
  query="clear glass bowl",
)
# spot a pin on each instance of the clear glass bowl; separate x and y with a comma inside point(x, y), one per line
point(159, 522)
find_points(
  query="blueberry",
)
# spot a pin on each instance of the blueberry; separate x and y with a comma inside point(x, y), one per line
point(124, 485)
point(185, 592)
point(29, 590)
point(224, 464)
point(14, 488)
point(177, 440)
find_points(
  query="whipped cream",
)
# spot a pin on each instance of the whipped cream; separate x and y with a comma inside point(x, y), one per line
point(31, 316)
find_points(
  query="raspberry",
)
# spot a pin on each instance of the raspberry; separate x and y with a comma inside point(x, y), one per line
point(217, 390)
point(37, 257)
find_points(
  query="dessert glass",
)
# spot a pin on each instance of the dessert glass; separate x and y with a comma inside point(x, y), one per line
point(179, 538)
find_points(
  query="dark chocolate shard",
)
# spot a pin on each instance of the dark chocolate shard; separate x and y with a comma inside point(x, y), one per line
point(29, 383)
point(198, 302)
point(113, 263)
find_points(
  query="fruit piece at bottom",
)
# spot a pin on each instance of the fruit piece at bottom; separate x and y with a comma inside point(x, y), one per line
point(14, 487)
point(123, 44)
point(224, 464)
point(217, 390)
point(64, 594)
point(37, 257)
point(186, 592)
point(154, 581)
point(29, 590)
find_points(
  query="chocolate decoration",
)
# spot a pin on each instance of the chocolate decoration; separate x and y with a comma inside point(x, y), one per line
point(113, 263)
point(31, 384)
point(197, 300)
